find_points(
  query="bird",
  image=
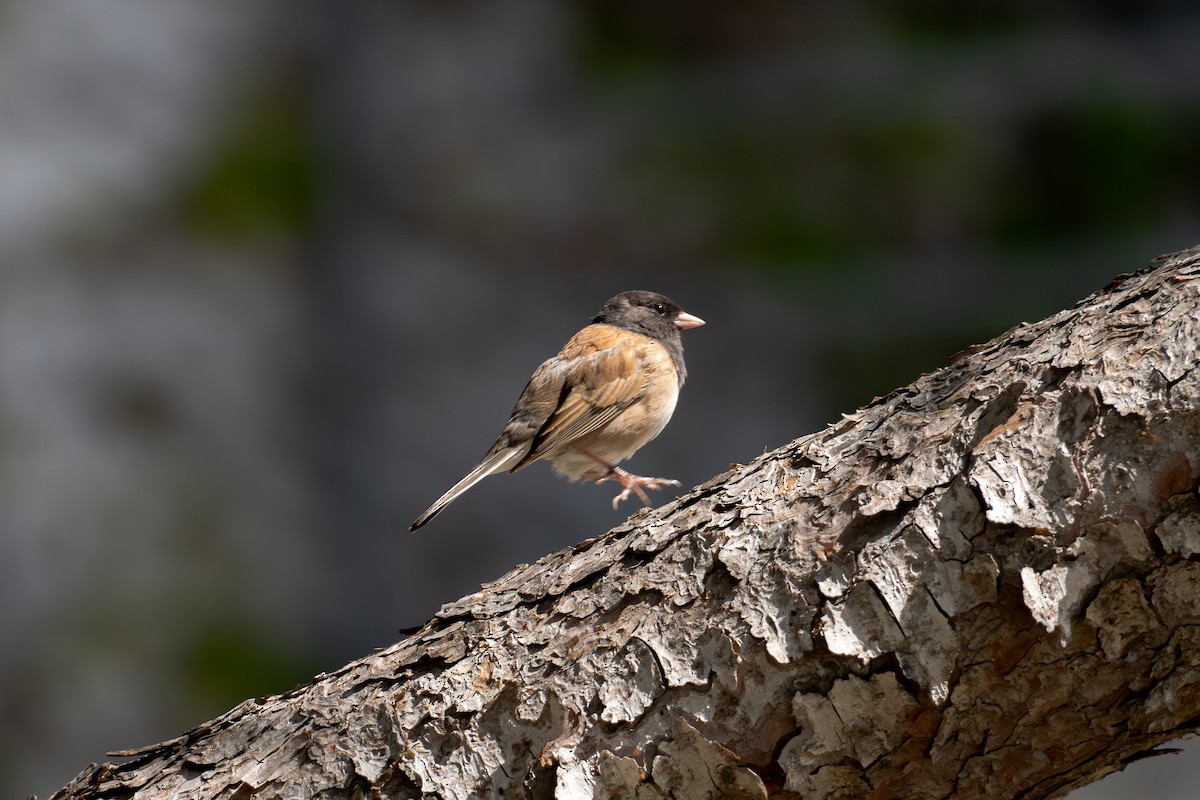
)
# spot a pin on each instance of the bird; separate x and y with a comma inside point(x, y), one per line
point(611, 389)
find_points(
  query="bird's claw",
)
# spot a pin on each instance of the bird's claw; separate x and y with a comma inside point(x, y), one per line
point(635, 484)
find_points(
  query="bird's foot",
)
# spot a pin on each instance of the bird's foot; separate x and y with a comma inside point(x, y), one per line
point(634, 483)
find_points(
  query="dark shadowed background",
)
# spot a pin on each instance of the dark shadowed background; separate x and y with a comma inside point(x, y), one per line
point(272, 275)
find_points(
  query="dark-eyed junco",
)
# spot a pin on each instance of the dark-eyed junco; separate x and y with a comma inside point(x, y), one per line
point(610, 390)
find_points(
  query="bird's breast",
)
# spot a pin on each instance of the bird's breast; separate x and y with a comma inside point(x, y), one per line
point(633, 427)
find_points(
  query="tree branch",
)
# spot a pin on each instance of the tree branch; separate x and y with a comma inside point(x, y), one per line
point(983, 585)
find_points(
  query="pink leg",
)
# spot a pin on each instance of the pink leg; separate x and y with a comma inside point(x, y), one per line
point(629, 482)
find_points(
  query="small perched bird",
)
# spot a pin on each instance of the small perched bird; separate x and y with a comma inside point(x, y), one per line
point(610, 390)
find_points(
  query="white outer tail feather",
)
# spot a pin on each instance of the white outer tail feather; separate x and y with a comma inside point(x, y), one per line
point(498, 462)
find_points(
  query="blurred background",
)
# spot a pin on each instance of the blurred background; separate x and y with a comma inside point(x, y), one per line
point(272, 275)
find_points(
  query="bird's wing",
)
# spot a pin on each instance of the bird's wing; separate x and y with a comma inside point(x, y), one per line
point(594, 386)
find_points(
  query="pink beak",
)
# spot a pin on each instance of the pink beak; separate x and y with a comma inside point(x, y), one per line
point(685, 320)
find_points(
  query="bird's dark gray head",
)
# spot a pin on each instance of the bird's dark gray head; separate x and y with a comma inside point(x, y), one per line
point(651, 314)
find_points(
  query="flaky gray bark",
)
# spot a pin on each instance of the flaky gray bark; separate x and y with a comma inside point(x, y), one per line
point(984, 585)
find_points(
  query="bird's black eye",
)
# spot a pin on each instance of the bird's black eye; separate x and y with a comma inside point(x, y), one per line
point(659, 308)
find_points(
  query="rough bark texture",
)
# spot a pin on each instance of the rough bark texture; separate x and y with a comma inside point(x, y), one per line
point(984, 585)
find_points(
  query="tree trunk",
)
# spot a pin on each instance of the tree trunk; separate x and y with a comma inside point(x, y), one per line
point(983, 585)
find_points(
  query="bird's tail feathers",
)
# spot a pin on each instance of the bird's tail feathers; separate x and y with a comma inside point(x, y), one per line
point(496, 462)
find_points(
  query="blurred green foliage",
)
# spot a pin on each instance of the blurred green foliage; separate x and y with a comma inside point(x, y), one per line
point(1097, 166)
point(947, 23)
point(751, 188)
point(228, 658)
point(797, 201)
point(261, 177)
point(855, 372)
point(794, 190)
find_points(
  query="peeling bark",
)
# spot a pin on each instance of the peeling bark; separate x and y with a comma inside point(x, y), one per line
point(984, 585)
